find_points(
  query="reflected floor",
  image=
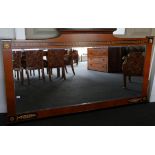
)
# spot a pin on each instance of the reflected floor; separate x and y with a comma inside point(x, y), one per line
point(85, 86)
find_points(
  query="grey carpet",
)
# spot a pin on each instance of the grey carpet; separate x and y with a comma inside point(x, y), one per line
point(85, 86)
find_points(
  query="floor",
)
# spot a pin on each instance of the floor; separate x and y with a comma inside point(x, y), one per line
point(85, 86)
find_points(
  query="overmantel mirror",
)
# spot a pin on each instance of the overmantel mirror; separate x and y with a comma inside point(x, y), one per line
point(78, 71)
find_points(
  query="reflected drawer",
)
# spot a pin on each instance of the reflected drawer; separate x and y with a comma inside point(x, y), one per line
point(98, 67)
point(102, 60)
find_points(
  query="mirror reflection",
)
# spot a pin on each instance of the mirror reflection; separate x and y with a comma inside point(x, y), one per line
point(53, 78)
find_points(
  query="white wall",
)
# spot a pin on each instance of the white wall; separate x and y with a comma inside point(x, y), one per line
point(20, 33)
point(3, 108)
point(81, 50)
point(7, 33)
point(134, 32)
point(119, 31)
point(12, 33)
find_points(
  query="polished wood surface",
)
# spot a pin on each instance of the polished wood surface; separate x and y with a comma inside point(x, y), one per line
point(115, 55)
point(105, 59)
point(79, 40)
point(86, 30)
point(69, 40)
point(147, 69)
point(9, 82)
point(98, 59)
point(70, 110)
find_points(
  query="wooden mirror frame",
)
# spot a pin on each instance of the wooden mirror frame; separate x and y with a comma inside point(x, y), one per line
point(80, 39)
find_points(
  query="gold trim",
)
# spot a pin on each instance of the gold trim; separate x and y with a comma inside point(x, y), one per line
point(6, 45)
point(22, 117)
point(12, 118)
point(138, 100)
point(26, 116)
point(46, 44)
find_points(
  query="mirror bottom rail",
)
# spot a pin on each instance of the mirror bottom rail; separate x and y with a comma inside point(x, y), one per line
point(84, 107)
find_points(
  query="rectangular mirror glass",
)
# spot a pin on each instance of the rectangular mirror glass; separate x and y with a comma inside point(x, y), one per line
point(55, 78)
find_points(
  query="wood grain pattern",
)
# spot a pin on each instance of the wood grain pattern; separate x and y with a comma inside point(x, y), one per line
point(69, 40)
point(79, 40)
point(105, 59)
point(86, 30)
point(147, 69)
point(98, 59)
point(9, 82)
point(115, 59)
point(72, 109)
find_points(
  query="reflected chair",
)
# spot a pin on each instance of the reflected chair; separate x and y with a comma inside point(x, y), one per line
point(133, 65)
point(17, 65)
point(55, 59)
point(68, 58)
point(34, 61)
point(24, 63)
point(75, 56)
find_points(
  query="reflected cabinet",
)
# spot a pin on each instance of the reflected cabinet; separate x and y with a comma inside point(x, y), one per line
point(44, 78)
